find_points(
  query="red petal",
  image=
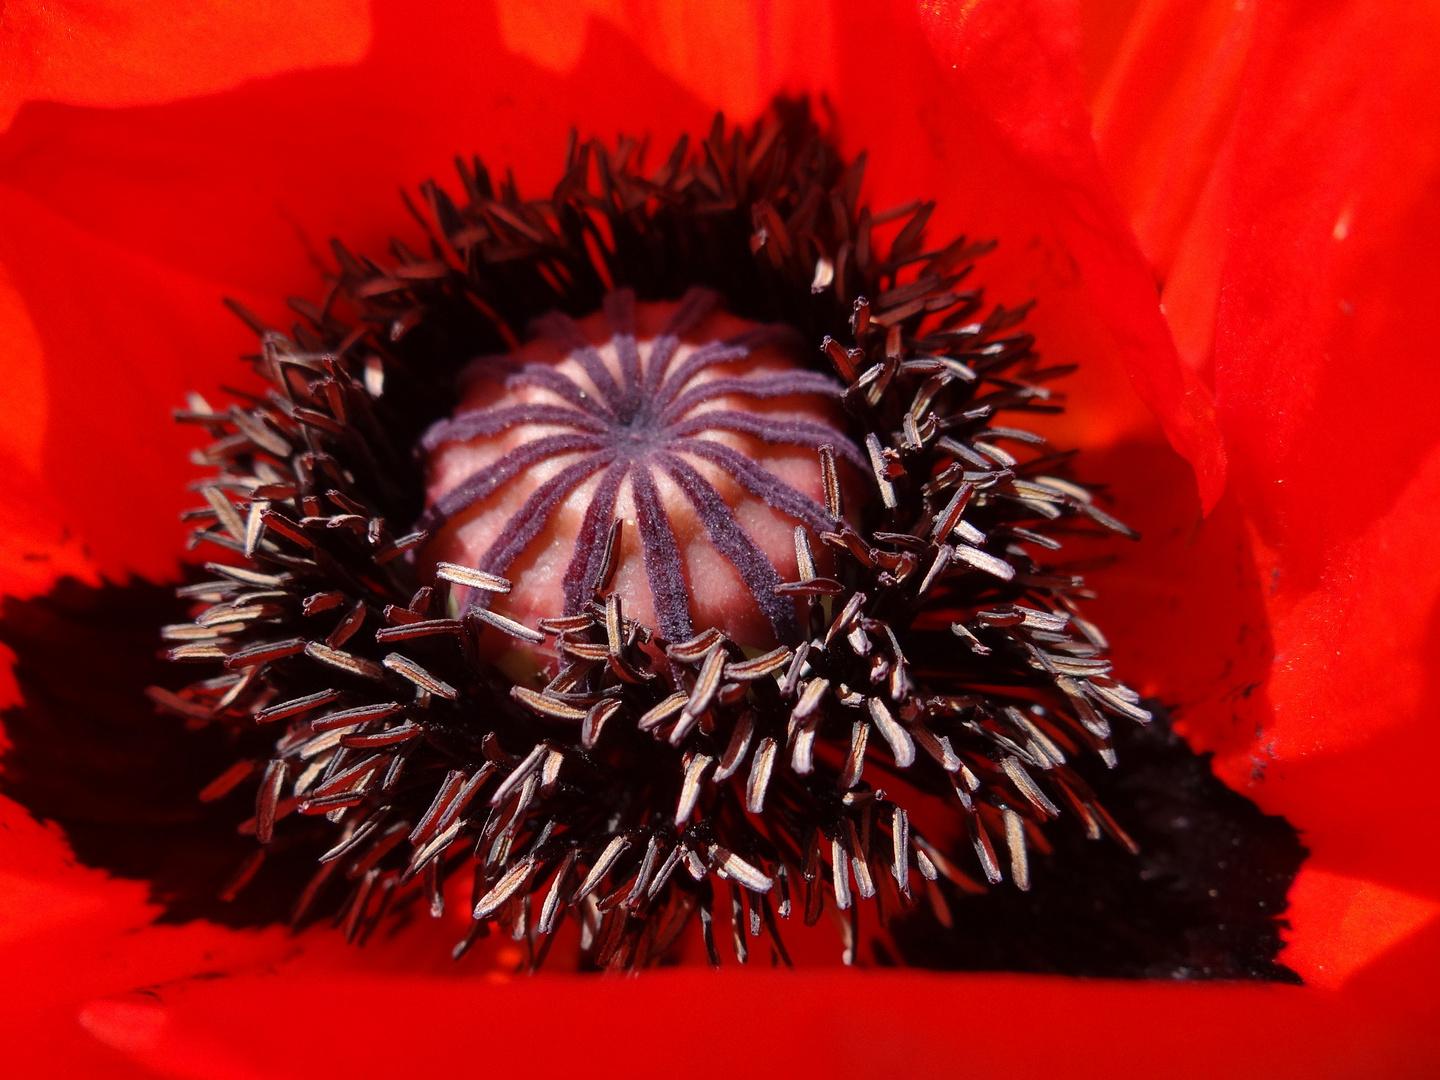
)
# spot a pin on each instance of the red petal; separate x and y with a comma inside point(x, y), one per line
point(1303, 282)
point(68, 933)
point(757, 1023)
point(1330, 270)
point(1164, 109)
point(1020, 63)
point(113, 53)
point(112, 462)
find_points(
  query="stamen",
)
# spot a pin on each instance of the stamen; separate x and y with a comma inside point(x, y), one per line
point(728, 582)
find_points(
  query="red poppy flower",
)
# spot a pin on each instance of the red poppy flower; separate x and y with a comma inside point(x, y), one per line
point(1278, 164)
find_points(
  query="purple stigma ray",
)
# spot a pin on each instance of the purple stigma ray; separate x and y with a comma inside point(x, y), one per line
point(483, 483)
point(719, 352)
point(789, 384)
point(731, 540)
point(473, 424)
point(620, 314)
point(584, 568)
point(662, 559)
point(783, 432)
point(531, 518)
point(708, 355)
point(544, 377)
point(650, 419)
point(763, 484)
point(695, 306)
point(562, 330)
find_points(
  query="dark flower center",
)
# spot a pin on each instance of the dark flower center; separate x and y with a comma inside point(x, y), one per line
point(778, 530)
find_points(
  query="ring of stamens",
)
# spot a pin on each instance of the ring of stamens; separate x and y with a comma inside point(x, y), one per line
point(939, 659)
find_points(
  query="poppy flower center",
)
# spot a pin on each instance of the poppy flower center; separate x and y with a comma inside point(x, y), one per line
point(785, 559)
point(680, 435)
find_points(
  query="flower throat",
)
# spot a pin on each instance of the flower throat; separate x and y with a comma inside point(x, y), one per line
point(751, 492)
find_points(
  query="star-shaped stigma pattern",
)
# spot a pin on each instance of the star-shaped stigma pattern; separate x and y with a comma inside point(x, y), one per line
point(651, 416)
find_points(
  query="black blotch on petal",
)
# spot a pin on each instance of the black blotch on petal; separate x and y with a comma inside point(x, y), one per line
point(89, 752)
point(1202, 900)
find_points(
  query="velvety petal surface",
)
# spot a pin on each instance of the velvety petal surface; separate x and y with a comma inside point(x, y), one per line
point(110, 52)
point(1280, 163)
point(900, 1024)
point(1020, 63)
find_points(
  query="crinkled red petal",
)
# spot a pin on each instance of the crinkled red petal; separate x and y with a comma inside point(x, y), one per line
point(1281, 163)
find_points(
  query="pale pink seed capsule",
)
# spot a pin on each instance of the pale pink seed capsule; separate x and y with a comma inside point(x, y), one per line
point(697, 429)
